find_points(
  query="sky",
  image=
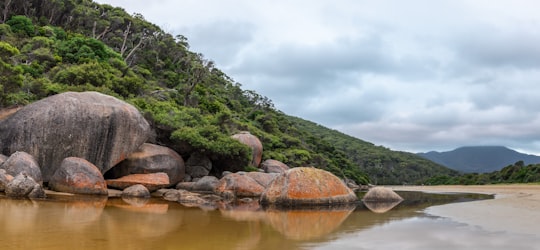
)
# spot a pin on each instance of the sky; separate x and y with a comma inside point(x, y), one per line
point(416, 75)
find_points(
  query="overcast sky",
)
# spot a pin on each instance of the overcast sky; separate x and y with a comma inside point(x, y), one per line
point(416, 75)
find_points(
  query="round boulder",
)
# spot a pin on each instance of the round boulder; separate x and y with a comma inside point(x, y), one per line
point(274, 166)
point(20, 162)
point(381, 194)
point(151, 158)
point(89, 125)
point(254, 143)
point(78, 176)
point(307, 186)
point(239, 184)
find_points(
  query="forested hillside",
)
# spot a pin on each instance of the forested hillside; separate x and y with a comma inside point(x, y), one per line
point(52, 46)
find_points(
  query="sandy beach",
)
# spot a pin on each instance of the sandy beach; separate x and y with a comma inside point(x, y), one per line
point(515, 209)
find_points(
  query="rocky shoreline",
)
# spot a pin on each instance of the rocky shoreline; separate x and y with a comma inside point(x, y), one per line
point(90, 143)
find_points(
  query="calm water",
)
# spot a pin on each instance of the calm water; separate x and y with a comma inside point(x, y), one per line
point(62, 222)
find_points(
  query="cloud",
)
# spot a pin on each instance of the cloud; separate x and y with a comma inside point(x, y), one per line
point(416, 76)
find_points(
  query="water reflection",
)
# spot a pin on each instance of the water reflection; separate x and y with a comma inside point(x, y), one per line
point(381, 206)
point(82, 222)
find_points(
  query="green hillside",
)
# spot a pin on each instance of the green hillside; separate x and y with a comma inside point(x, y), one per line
point(52, 46)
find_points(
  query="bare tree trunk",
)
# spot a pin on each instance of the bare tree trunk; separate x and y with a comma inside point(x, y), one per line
point(126, 33)
point(5, 11)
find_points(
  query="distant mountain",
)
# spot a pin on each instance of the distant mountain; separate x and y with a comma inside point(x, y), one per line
point(480, 159)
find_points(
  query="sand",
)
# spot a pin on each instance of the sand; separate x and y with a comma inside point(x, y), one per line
point(515, 209)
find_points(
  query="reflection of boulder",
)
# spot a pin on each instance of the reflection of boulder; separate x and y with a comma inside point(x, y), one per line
point(380, 207)
point(381, 194)
point(307, 224)
point(80, 211)
point(139, 204)
point(245, 211)
point(124, 222)
point(22, 218)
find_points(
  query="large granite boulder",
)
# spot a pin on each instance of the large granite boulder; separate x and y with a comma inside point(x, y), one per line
point(78, 176)
point(20, 162)
point(151, 158)
point(89, 125)
point(152, 182)
point(307, 186)
point(23, 186)
point(254, 143)
point(274, 166)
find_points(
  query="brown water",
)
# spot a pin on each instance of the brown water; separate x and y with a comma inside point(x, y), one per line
point(63, 222)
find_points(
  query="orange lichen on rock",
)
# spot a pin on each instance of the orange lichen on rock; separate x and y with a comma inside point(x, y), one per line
point(153, 181)
point(307, 186)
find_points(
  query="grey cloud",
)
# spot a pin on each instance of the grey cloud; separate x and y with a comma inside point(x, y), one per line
point(221, 39)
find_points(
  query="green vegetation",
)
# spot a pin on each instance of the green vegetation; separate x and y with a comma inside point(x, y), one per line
point(516, 173)
point(52, 46)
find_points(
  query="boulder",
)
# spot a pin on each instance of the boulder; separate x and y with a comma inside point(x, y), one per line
point(307, 186)
point(24, 186)
point(152, 181)
point(264, 179)
point(136, 190)
point(5, 178)
point(274, 166)
point(381, 194)
point(78, 176)
point(89, 125)
point(240, 185)
point(198, 165)
point(151, 158)
point(254, 143)
point(20, 162)
point(206, 184)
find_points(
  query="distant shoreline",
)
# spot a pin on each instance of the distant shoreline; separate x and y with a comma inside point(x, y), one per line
point(515, 208)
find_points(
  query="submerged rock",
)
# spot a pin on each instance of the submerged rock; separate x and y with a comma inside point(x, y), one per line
point(307, 186)
point(78, 176)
